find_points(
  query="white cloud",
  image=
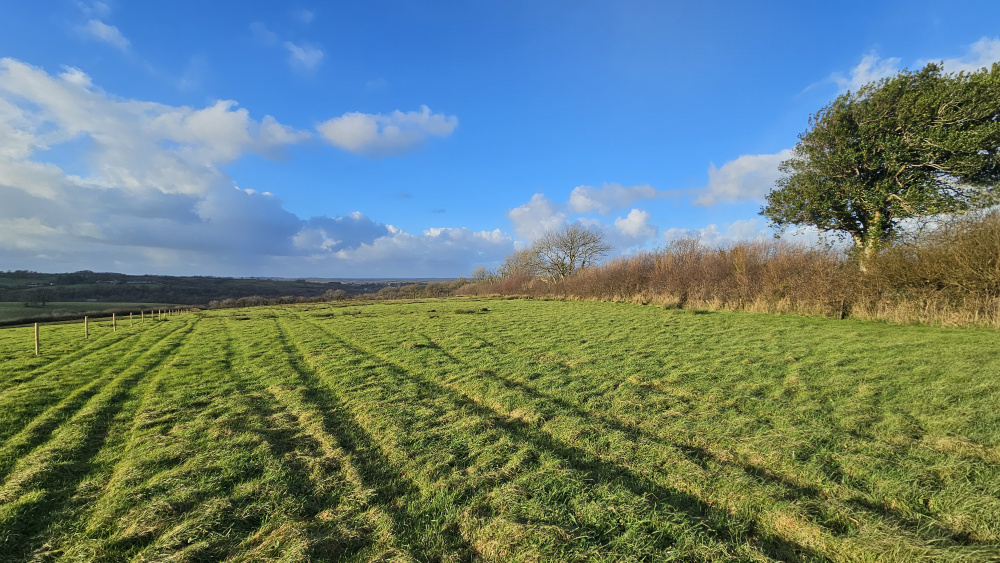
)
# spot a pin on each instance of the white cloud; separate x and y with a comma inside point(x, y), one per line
point(108, 33)
point(870, 69)
point(981, 54)
point(151, 196)
point(748, 178)
point(712, 235)
point(377, 135)
point(609, 197)
point(305, 56)
point(636, 225)
point(532, 219)
point(434, 251)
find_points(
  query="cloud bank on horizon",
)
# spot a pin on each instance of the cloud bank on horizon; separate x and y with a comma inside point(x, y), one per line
point(94, 180)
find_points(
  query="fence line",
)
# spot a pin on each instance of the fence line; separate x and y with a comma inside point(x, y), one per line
point(114, 323)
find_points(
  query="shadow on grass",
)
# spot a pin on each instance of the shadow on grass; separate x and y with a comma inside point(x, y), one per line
point(373, 466)
point(25, 530)
point(689, 507)
point(926, 531)
point(55, 416)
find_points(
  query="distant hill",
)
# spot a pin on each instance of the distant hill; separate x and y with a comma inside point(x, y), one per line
point(37, 288)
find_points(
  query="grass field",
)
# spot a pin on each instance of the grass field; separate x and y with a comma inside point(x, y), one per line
point(500, 430)
point(16, 310)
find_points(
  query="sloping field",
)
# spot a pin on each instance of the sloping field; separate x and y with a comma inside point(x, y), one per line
point(499, 430)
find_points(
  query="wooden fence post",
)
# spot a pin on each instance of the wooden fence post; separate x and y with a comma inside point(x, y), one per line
point(114, 325)
point(86, 328)
point(130, 320)
point(36, 339)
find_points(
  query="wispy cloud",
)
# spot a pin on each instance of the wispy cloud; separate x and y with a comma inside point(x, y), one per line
point(305, 56)
point(610, 197)
point(262, 34)
point(871, 68)
point(377, 135)
point(303, 16)
point(981, 54)
point(109, 34)
point(302, 56)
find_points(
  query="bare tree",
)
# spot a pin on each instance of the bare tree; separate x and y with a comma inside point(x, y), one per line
point(558, 254)
point(519, 263)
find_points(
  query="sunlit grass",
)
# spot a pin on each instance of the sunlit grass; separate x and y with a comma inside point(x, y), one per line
point(501, 430)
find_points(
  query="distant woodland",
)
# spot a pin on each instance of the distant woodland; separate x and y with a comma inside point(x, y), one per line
point(33, 288)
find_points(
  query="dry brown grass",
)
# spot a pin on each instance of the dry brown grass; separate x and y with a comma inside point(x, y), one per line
point(950, 277)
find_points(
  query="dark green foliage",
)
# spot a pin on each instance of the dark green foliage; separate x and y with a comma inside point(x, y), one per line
point(910, 146)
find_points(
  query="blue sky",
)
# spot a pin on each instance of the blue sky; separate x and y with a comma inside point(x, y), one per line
point(418, 139)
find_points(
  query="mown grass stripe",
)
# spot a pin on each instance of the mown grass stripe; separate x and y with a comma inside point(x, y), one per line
point(39, 428)
point(372, 469)
point(48, 476)
point(70, 348)
point(834, 498)
point(589, 468)
point(933, 537)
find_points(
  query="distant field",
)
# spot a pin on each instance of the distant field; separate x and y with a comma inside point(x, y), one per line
point(16, 310)
point(500, 430)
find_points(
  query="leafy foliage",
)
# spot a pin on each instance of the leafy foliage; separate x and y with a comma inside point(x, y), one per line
point(910, 146)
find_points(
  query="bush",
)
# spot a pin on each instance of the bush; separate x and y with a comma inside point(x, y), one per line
point(950, 275)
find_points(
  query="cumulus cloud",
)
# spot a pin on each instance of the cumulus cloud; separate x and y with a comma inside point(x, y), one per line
point(609, 197)
point(335, 234)
point(151, 195)
point(305, 56)
point(748, 178)
point(636, 225)
point(538, 215)
point(981, 54)
point(429, 253)
point(377, 135)
point(109, 34)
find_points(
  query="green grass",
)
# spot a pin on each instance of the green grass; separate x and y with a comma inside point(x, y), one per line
point(10, 310)
point(526, 431)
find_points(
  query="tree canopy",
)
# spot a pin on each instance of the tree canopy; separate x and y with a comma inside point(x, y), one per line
point(913, 145)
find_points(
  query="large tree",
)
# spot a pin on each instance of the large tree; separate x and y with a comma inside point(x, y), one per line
point(912, 145)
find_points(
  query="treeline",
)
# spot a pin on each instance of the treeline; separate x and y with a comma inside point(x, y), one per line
point(392, 291)
point(949, 276)
point(32, 288)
